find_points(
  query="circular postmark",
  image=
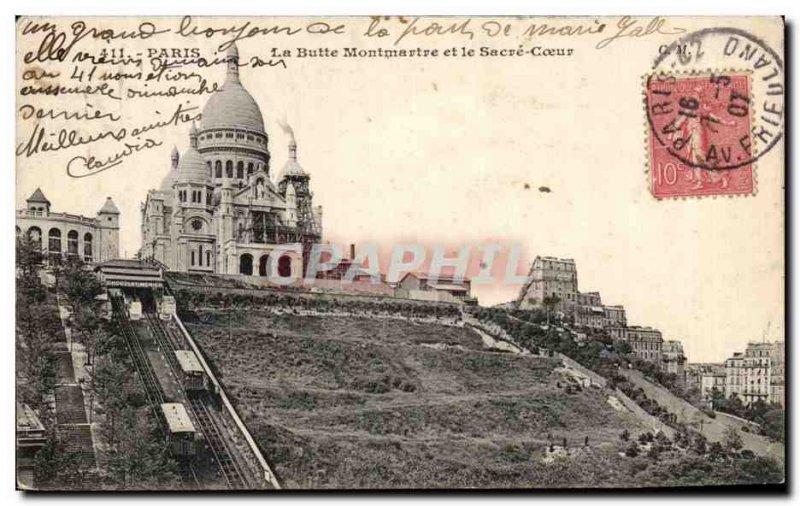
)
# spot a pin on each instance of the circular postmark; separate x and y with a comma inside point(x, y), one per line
point(715, 99)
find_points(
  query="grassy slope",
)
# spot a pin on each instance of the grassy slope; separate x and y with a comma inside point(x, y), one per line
point(356, 402)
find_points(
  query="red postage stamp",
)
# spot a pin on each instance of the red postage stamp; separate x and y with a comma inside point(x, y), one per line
point(700, 135)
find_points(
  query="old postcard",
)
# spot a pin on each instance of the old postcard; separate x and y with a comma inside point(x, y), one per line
point(275, 253)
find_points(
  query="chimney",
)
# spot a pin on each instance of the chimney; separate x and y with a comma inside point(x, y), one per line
point(352, 251)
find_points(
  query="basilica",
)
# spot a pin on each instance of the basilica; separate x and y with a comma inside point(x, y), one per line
point(219, 209)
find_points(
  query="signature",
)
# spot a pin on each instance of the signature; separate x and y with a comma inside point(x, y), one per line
point(81, 166)
point(629, 27)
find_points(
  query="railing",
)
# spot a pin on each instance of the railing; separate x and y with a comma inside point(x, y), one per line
point(27, 213)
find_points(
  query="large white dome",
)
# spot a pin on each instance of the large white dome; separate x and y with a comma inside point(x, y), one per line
point(232, 106)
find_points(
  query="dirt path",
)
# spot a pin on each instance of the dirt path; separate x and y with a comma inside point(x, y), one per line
point(712, 428)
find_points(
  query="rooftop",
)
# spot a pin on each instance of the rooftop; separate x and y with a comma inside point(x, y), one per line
point(177, 417)
point(439, 279)
point(38, 196)
point(188, 361)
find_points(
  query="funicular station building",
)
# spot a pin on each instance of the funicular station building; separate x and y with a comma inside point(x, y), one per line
point(63, 235)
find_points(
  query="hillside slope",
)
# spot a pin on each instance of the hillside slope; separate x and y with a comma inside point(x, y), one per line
point(353, 402)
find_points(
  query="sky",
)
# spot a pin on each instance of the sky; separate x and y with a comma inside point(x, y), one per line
point(453, 151)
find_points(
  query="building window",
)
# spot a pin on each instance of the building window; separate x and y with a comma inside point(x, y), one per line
point(229, 169)
point(246, 264)
point(250, 169)
point(54, 240)
point(218, 169)
point(88, 254)
point(200, 255)
point(240, 170)
point(192, 257)
point(72, 243)
point(208, 258)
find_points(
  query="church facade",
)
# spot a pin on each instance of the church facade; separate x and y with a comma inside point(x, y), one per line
point(219, 209)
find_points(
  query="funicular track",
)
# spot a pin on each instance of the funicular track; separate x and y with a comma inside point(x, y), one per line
point(227, 465)
point(207, 419)
point(152, 388)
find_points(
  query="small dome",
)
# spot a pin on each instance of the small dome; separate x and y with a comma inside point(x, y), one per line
point(192, 168)
point(292, 168)
point(168, 181)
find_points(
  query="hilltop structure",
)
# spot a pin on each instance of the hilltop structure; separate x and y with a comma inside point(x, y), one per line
point(556, 279)
point(70, 235)
point(706, 378)
point(554, 282)
point(218, 209)
point(673, 360)
point(646, 342)
point(757, 374)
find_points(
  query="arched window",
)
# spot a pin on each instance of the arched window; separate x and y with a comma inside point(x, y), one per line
point(54, 240)
point(36, 236)
point(72, 243)
point(88, 253)
point(200, 254)
point(246, 264)
point(240, 170)
point(208, 258)
point(193, 257)
point(284, 266)
point(218, 169)
point(229, 169)
point(263, 264)
point(250, 169)
point(210, 170)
